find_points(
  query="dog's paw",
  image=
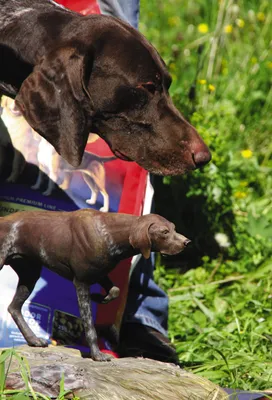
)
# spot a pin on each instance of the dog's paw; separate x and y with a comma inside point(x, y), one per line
point(112, 295)
point(35, 187)
point(64, 186)
point(99, 356)
point(104, 209)
point(38, 342)
point(11, 179)
point(47, 192)
point(91, 201)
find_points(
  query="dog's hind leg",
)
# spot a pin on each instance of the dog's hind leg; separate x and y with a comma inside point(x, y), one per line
point(111, 290)
point(38, 182)
point(18, 166)
point(50, 187)
point(28, 273)
point(106, 199)
point(93, 199)
point(92, 186)
point(85, 308)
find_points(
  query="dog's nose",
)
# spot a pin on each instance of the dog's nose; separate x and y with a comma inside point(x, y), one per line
point(187, 241)
point(202, 158)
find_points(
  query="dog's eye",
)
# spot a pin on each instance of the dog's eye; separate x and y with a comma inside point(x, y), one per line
point(150, 87)
point(165, 232)
point(130, 98)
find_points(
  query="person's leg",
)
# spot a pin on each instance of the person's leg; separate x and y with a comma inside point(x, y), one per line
point(147, 303)
point(127, 10)
point(144, 327)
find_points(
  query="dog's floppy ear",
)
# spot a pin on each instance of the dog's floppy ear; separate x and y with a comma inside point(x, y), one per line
point(52, 100)
point(139, 237)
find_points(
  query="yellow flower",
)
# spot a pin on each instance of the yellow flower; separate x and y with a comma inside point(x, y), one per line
point(228, 28)
point(172, 67)
point(244, 183)
point(246, 153)
point(269, 64)
point(240, 195)
point(174, 21)
point(211, 88)
point(254, 60)
point(202, 81)
point(203, 28)
point(240, 22)
point(260, 16)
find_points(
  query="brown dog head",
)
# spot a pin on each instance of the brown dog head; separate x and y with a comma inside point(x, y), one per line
point(105, 77)
point(154, 233)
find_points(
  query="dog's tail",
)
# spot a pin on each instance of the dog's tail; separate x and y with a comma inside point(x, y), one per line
point(85, 172)
point(82, 170)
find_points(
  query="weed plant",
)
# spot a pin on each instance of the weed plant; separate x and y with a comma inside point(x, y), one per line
point(28, 393)
point(220, 56)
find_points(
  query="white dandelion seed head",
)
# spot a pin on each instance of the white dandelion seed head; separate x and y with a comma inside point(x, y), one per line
point(222, 240)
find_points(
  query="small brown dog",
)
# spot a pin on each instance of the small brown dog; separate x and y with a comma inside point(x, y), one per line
point(82, 246)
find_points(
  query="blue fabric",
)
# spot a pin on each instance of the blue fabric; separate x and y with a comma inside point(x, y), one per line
point(147, 304)
point(127, 10)
point(241, 395)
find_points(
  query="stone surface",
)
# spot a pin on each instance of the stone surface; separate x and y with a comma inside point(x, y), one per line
point(119, 379)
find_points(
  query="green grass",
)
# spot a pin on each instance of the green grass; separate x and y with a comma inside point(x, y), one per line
point(28, 392)
point(222, 328)
point(219, 54)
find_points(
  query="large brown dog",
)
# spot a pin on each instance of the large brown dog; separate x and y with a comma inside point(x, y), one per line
point(82, 246)
point(72, 74)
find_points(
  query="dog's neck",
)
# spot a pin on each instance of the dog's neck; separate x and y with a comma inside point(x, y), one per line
point(115, 232)
point(27, 14)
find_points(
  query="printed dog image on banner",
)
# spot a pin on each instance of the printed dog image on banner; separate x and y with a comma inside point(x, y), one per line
point(59, 172)
point(19, 138)
point(34, 176)
point(52, 167)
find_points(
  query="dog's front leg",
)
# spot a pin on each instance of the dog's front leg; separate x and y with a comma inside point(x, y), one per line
point(111, 290)
point(85, 309)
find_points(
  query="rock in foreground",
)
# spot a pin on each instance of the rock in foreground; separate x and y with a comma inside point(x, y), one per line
point(120, 379)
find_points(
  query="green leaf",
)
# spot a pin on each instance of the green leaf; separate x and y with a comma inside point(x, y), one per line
point(260, 226)
point(20, 396)
point(2, 377)
point(220, 305)
point(209, 314)
point(199, 318)
point(6, 354)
